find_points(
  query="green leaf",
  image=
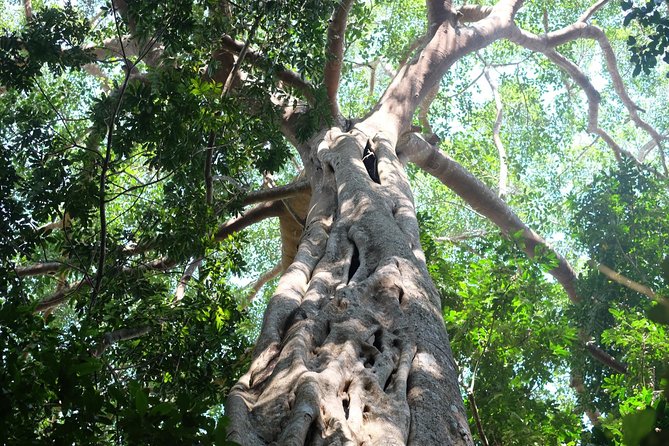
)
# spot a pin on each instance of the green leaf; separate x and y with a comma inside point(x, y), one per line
point(659, 312)
point(163, 409)
point(141, 401)
point(665, 268)
point(637, 425)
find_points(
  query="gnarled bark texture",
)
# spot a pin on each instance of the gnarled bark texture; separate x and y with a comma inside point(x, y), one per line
point(353, 348)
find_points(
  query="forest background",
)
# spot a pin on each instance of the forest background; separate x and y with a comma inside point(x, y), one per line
point(149, 205)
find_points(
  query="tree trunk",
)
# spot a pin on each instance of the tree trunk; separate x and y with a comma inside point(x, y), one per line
point(353, 348)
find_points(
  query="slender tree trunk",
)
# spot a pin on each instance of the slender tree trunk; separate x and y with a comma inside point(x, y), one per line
point(353, 348)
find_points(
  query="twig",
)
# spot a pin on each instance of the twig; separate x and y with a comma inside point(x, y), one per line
point(546, 44)
point(465, 88)
point(477, 418)
point(462, 237)
point(501, 150)
point(129, 67)
point(103, 175)
point(470, 389)
point(286, 76)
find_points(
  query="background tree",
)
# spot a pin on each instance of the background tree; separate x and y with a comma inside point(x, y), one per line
point(150, 147)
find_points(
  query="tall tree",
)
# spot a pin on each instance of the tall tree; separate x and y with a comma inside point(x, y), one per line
point(198, 101)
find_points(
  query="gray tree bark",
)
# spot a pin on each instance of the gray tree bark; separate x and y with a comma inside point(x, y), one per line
point(353, 348)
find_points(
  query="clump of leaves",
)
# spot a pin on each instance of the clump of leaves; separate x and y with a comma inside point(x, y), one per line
point(53, 37)
point(622, 222)
point(647, 46)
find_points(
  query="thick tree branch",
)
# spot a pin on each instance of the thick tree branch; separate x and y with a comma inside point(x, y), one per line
point(262, 280)
point(648, 147)
point(28, 9)
point(446, 45)
point(591, 94)
point(424, 110)
point(159, 264)
point(61, 296)
point(592, 10)
point(277, 193)
point(185, 278)
point(623, 280)
point(65, 222)
point(250, 217)
point(38, 269)
point(286, 76)
point(116, 47)
point(123, 334)
point(240, 57)
point(429, 158)
point(334, 53)
point(438, 12)
point(604, 357)
point(473, 13)
point(227, 87)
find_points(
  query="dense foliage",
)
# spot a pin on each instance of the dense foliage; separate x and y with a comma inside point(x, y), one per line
point(101, 174)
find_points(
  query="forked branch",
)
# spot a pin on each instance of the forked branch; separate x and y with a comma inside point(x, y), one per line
point(445, 46)
point(546, 45)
